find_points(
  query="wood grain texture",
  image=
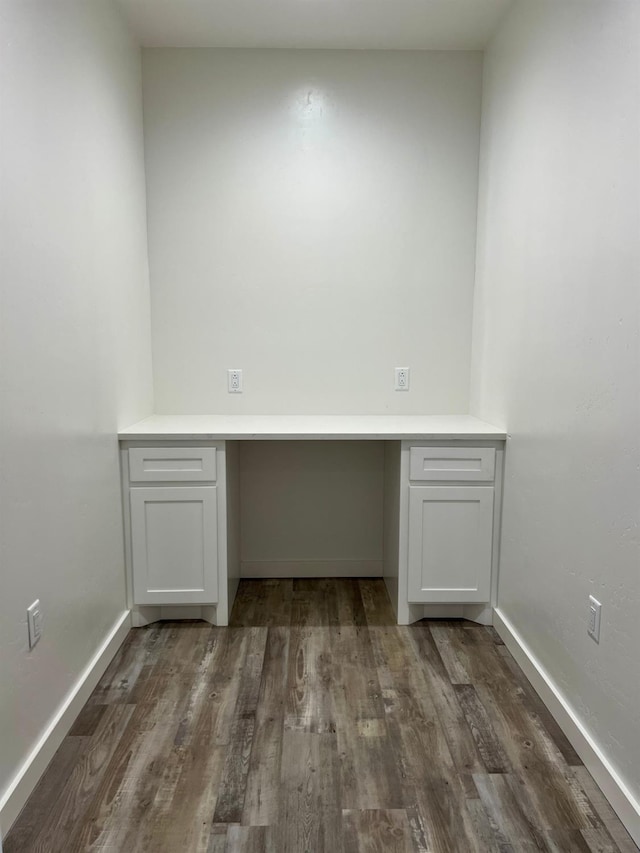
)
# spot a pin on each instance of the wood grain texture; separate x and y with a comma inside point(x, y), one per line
point(314, 724)
point(382, 831)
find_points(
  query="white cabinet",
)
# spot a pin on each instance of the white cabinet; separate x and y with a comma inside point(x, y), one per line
point(174, 545)
point(442, 528)
point(450, 543)
point(181, 543)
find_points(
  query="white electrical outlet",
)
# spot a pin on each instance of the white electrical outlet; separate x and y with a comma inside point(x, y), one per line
point(34, 621)
point(402, 378)
point(593, 628)
point(234, 379)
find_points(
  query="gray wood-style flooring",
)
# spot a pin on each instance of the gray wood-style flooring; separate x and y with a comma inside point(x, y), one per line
point(314, 723)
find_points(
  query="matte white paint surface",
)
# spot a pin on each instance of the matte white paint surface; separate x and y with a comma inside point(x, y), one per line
point(312, 222)
point(74, 343)
point(416, 24)
point(557, 347)
point(308, 502)
point(186, 427)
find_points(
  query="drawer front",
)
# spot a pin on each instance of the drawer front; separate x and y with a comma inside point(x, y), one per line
point(172, 464)
point(444, 464)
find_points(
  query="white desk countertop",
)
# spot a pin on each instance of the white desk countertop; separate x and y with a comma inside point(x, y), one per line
point(311, 427)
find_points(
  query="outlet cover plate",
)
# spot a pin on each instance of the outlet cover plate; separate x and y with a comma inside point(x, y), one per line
point(34, 621)
point(402, 379)
point(234, 380)
point(593, 626)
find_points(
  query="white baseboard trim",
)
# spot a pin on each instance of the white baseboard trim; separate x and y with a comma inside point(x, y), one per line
point(311, 569)
point(625, 805)
point(27, 777)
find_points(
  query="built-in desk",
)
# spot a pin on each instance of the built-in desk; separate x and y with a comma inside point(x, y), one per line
point(442, 503)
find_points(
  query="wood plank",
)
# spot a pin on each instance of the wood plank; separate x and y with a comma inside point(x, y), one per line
point(369, 771)
point(428, 773)
point(350, 606)
point(314, 602)
point(249, 839)
point(180, 813)
point(115, 819)
point(309, 701)
point(261, 806)
point(538, 707)
point(607, 815)
point(461, 744)
point(311, 814)
point(377, 604)
point(561, 840)
point(535, 758)
point(488, 836)
point(141, 648)
point(89, 772)
point(418, 831)
point(87, 721)
point(442, 635)
point(489, 747)
point(45, 797)
point(439, 795)
point(265, 603)
point(600, 841)
point(230, 802)
point(377, 831)
point(511, 816)
point(217, 839)
point(145, 764)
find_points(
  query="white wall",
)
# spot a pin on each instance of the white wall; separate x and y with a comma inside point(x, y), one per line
point(311, 508)
point(557, 346)
point(74, 342)
point(312, 221)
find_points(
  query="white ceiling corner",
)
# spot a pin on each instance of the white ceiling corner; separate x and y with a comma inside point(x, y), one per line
point(346, 24)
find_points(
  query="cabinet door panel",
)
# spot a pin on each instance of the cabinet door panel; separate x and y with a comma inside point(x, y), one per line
point(174, 545)
point(450, 543)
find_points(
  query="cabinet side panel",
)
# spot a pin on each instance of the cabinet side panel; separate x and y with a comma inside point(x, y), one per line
point(391, 519)
point(233, 519)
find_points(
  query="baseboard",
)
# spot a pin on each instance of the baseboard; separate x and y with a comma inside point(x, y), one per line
point(311, 569)
point(623, 802)
point(36, 763)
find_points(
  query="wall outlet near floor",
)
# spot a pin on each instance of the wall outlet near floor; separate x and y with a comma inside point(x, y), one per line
point(593, 628)
point(234, 380)
point(402, 378)
point(34, 621)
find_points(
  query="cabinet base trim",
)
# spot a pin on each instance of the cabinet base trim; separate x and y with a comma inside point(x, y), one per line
point(36, 763)
point(146, 614)
point(481, 613)
point(311, 569)
point(596, 762)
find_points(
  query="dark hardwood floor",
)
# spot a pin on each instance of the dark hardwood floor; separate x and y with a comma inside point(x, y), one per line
point(314, 723)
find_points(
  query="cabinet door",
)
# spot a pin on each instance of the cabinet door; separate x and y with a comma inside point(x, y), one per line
point(174, 545)
point(450, 543)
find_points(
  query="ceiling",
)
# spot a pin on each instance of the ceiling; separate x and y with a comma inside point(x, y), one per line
point(356, 24)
